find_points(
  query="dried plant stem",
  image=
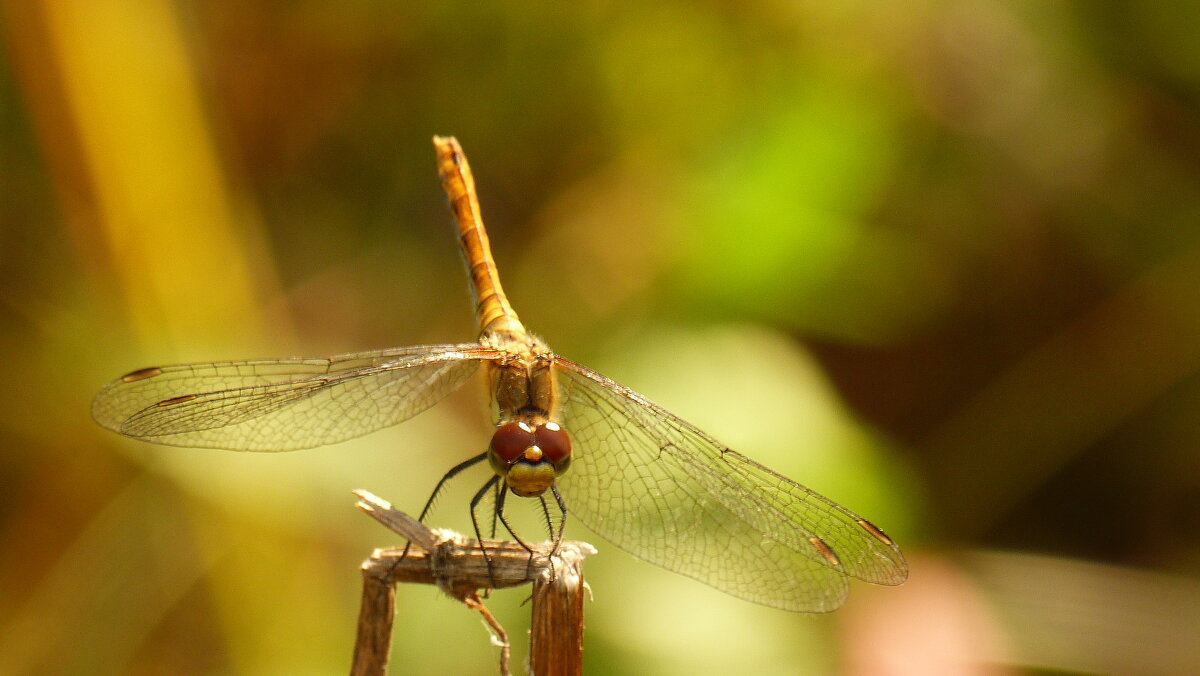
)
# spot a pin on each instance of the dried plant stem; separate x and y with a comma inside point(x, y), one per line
point(556, 631)
point(459, 567)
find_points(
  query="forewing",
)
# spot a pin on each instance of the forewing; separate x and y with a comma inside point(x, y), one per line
point(668, 493)
point(283, 404)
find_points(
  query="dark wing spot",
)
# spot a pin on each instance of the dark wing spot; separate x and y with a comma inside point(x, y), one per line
point(874, 530)
point(177, 400)
point(141, 374)
point(825, 550)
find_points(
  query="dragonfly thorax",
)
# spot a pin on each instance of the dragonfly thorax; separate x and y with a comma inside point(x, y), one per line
point(529, 455)
point(521, 382)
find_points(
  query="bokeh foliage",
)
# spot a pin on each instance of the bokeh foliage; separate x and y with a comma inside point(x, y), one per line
point(937, 260)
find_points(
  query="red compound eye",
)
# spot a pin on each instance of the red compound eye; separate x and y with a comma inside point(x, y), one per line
point(553, 441)
point(510, 440)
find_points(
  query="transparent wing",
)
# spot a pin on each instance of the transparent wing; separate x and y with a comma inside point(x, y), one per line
point(668, 493)
point(283, 404)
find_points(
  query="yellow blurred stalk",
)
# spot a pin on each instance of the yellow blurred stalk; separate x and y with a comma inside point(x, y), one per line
point(119, 115)
point(188, 270)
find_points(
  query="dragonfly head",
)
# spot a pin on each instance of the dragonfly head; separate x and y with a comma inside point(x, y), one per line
point(529, 455)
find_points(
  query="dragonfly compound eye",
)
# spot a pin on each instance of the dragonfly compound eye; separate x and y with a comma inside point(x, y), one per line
point(553, 442)
point(510, 440)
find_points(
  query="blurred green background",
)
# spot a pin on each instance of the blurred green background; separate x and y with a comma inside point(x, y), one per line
point(937, 260)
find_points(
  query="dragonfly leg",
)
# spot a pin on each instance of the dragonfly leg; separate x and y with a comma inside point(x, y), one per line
point(504, 520)
point(454, 471)
point(556, 534)
point(497, 507)
point(499, 512)
point(507, 526)
point(495, 501)
point(562, 523)
point(546, 515)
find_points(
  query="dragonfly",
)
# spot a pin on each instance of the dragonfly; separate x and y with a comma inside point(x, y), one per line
point(646, 480)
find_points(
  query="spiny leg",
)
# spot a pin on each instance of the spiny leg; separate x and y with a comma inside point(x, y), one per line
point(495, 500)
point(497, 506)
point(549, 531)
point(546, 515)
point(513, 533)
point(453, 472)
point(556, 536)
point(507, 526)
point(504, 520)
point(562, 524)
